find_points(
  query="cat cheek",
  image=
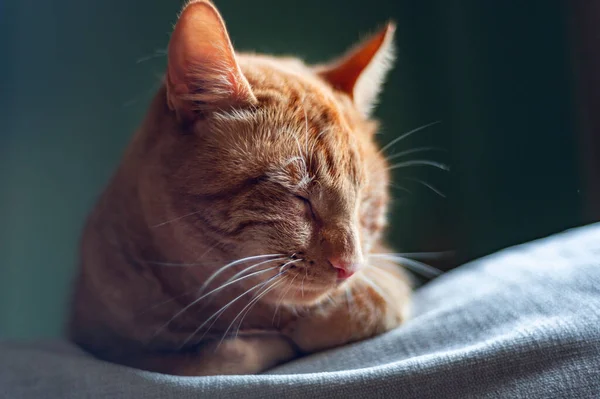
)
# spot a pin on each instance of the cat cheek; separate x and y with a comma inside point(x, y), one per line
point(300, 240)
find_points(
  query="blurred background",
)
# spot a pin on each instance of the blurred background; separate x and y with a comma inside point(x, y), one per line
point(512, 83)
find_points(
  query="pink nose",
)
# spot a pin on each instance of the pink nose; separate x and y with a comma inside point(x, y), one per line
point(344, 268)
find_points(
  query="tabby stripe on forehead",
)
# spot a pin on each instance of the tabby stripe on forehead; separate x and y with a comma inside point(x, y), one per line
point(330, 163)
point(247, 224)
point(225, 193)
point(233, 230)
point(215, 228)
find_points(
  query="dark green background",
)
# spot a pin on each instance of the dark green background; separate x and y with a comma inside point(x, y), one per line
point(75, 84)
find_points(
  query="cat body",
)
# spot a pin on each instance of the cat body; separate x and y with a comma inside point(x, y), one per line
point(236, 233)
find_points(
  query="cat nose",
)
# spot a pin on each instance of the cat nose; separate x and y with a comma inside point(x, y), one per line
point(345, 269)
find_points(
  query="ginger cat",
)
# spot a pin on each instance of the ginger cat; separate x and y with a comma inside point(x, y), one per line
point(239, 230)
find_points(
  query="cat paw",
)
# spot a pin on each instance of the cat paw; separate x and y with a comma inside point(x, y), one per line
point(312, 334)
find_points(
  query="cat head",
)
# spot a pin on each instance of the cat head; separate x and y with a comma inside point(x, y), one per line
point(268, 155)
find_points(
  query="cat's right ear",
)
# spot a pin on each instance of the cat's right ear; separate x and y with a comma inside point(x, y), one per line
point(203, 74)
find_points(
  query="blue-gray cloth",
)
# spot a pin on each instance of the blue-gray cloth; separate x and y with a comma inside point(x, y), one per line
point(523, 323)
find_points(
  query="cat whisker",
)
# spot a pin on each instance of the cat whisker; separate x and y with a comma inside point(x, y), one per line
point(281, 268)
point(321, 133)
point(422, 255)
point(219, 312)
point(248, 307)
point(383, 270)
point(240, 273)
point(171, 264)
point(175, 219)
point(231, 264)
point(255, 301)
point(405, 135)
point(331, 300)
point(174, 264)
point(412, 151)
point(203, 254)
point(280, 300)
point(419, 162)
point(236, 278)
point(314, 143)
point(302, 155)
point(415, 266)
point(424, 183)
point(399, 187)
point(376, 287)
point(349, 298)
point(289, 263)
point(251, 306)
point(195, 301)
point(143, 95)
point(306, 179)
point(305, 127)
point(293, 159)
point(156, 54)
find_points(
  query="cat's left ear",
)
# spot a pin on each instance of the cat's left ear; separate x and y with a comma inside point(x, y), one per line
point(360, 73)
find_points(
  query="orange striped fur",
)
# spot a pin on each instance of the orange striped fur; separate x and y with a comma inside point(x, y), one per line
point(242, 155)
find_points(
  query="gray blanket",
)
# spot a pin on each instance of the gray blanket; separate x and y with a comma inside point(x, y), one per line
point(522, 323)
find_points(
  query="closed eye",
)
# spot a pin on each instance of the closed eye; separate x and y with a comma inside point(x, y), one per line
point(308, 206)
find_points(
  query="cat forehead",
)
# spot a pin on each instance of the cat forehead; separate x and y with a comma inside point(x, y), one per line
point(288, 83)
point(300, 129)
point(295, 104)
point(295, 152)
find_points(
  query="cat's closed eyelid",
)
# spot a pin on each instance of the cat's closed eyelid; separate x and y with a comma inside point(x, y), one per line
point(308, 204)
point(303, 199)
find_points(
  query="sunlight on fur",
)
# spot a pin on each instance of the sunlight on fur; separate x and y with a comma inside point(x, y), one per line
point(243, 226)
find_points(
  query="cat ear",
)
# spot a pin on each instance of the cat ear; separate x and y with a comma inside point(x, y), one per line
point(202, 72)
point(360, 73)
